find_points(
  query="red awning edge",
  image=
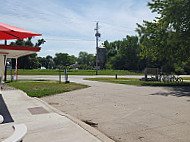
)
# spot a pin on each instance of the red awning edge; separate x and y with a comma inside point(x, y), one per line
point(12, 32)
point(25, 48)
point(4, 53)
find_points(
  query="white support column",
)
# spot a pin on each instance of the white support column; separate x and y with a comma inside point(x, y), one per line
point(3, 59)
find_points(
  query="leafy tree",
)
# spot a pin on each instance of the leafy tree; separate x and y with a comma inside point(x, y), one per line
point(167, 39)
point(28, 42)
point(72, 59)
point(18, 42)
point(28, 61)
point(124, 54)
point(85, 60)
point(82, 59)
point(46, 62)
point(91, 60)
point(153, 38)
point(49, 62)
point(63, 60)
point(42, 61)
point(40, 42)
point(111, 49)
point(129, 52)
point(33, 62)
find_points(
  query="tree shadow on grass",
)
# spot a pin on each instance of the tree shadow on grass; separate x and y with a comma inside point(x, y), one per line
point(179, 91)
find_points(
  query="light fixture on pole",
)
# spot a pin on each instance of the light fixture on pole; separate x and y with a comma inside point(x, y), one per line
point(97, 35)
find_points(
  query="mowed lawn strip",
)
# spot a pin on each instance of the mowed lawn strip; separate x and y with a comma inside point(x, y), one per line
point(44, 88)
point(186, 78)
point(135, 81)
point(74, 72)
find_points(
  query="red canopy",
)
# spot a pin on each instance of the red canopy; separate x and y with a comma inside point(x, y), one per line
point(11, 32)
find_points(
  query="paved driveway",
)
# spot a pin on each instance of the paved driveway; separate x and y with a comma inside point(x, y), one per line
point(129, 113)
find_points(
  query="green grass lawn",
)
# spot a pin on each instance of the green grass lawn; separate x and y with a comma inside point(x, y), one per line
point(135, 81)
point(43, 88)
point(186, 78)
point(76, 72)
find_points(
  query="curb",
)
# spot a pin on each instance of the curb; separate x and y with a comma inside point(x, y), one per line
point(83, 125)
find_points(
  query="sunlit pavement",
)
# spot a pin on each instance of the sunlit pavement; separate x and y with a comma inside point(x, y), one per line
point(44, 123)
point(128, 113)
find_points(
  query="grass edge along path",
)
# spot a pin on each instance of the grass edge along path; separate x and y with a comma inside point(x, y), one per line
point(45, 88)
point(74, 72)
point(137, 82)
point(186, 78)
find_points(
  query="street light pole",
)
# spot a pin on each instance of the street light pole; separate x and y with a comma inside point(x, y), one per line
point(97, 35)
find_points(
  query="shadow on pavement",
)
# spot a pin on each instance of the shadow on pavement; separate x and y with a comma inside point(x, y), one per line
point(176, 91)
point(4, 111)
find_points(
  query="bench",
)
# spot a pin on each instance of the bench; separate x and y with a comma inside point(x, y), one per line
point(20, 131)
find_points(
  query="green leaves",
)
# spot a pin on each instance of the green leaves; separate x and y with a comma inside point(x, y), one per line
point(86, 61)
point(123, 54)
point(167, 39)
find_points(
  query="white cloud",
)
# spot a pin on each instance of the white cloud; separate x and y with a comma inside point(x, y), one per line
point(58, 20)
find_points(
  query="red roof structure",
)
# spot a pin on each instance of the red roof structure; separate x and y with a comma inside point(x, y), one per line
point(8, 51)
point(11, 32)
point(17, 51)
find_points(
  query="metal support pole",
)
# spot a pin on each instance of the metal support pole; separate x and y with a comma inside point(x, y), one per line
point(0, 84)
point(5, 78)
point(145, 74)
point(11, 70)
point(97, 35)
point(65, 72)
point(96, 49)
point(59, 75)
point(96, 55)
point(11, 75)
point(5, 65)
point(66, 76)
point(16, 70)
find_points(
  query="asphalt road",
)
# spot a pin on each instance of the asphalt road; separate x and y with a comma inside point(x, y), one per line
point(128, 113)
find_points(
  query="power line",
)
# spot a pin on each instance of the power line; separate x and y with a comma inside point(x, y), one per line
point(124, 27)
point(118, 28)
point(68, 40)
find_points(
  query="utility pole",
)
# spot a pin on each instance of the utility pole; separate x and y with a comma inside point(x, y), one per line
point(97, 35)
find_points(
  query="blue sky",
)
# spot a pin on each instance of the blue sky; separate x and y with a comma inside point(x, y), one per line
point(68, 25)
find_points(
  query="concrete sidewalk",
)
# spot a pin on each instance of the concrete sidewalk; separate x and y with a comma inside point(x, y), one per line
point(44, 123)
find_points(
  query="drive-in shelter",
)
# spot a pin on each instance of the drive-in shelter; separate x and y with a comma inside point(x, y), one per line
point(8, 32)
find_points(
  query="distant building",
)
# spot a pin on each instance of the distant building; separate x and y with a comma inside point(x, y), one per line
point(101, 57)
point(74, 66)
